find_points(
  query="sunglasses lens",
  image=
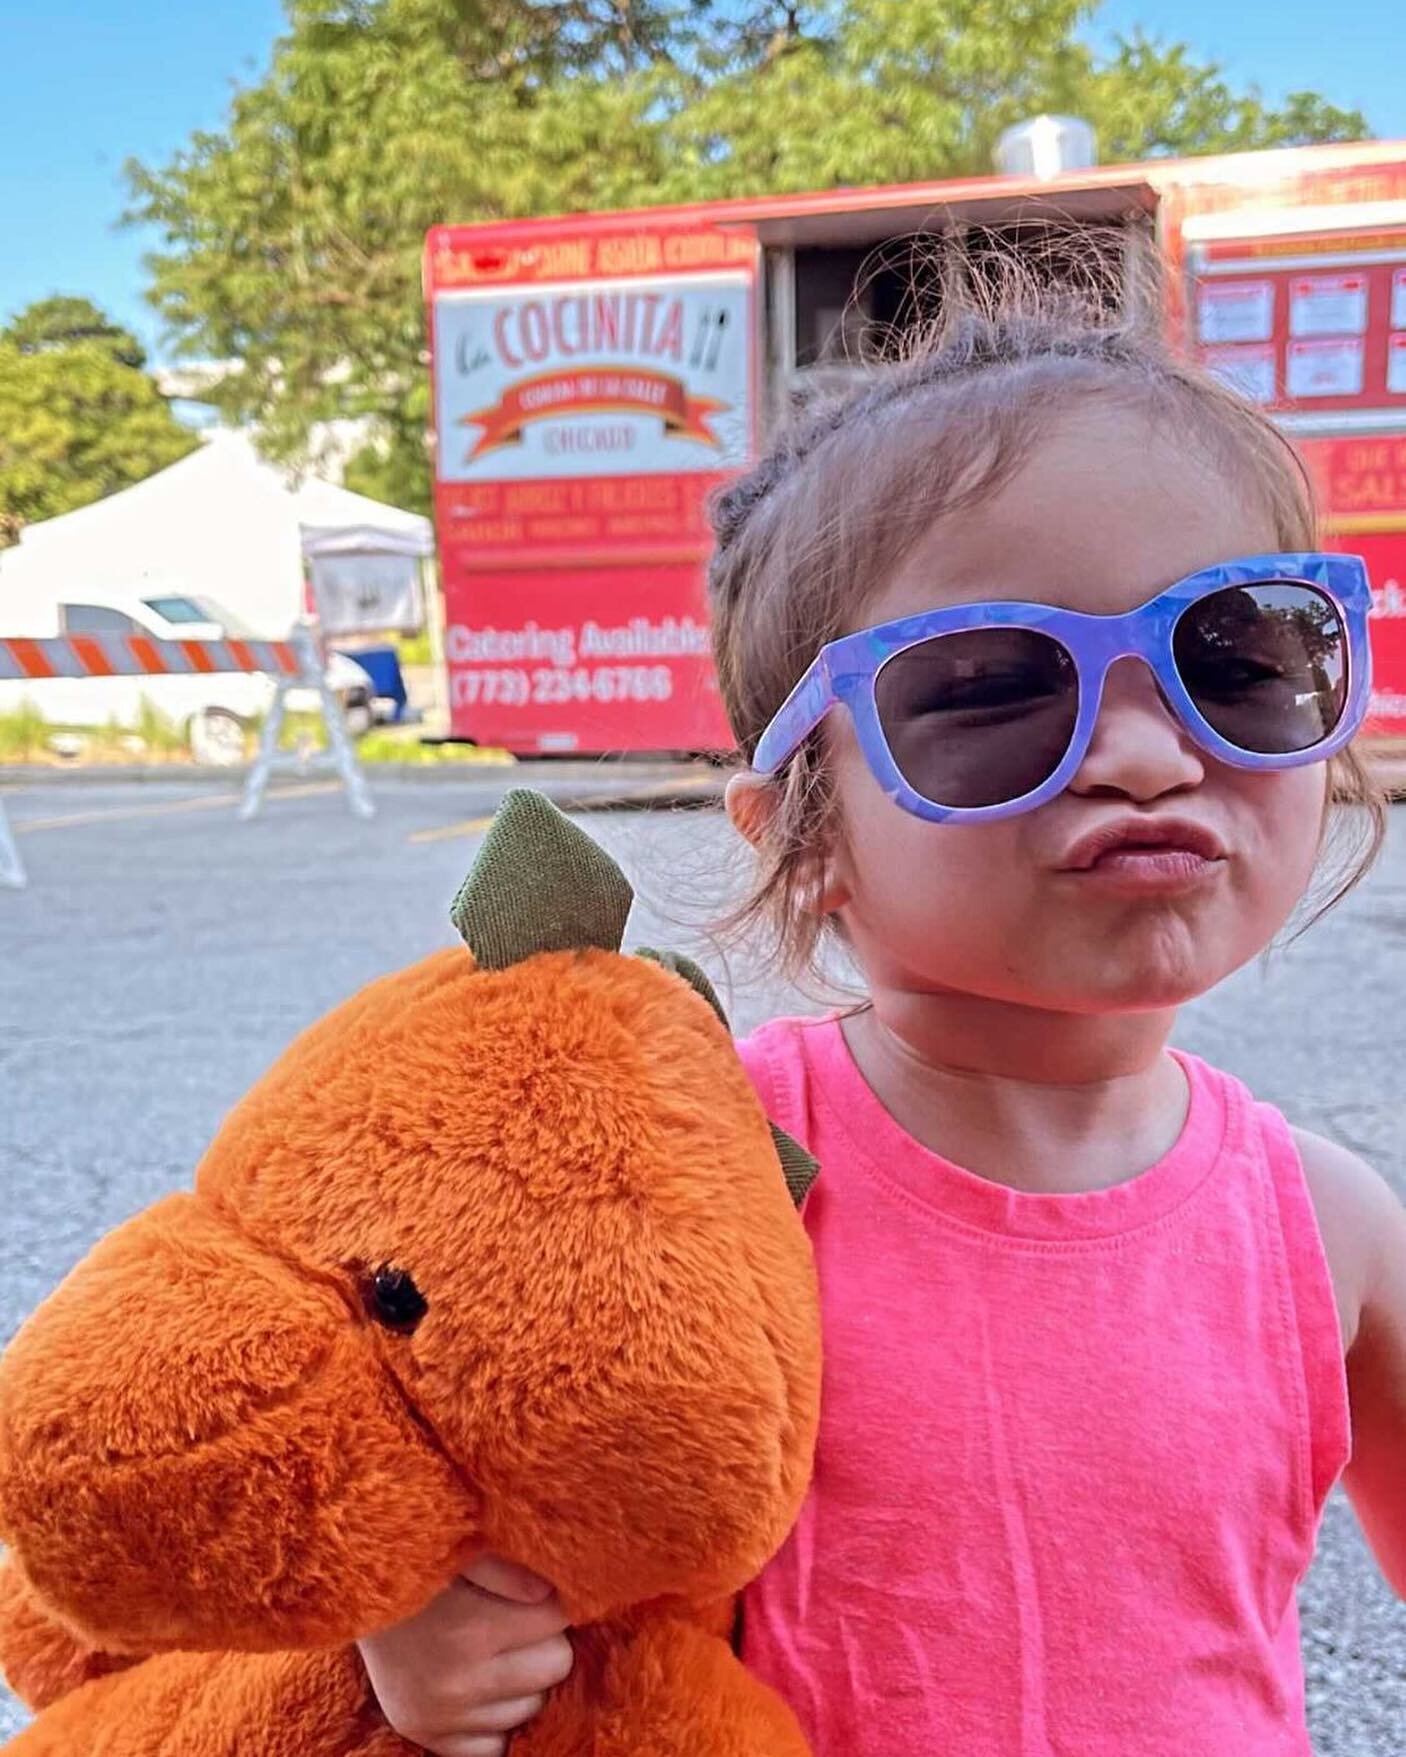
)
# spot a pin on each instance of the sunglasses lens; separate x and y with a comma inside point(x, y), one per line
point(1266, 665)
point(979, 717)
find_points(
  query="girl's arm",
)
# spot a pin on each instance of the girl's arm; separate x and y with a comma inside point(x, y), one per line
point(1364, 1233)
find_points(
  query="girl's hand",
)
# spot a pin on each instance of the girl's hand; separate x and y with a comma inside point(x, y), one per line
point(475, 1665)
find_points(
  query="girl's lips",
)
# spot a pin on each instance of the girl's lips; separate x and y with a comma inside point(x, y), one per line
point(1141, 835)
point(1146, 856)
point(1164, 871)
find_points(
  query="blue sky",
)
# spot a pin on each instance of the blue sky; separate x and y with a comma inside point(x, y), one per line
point(86, 83)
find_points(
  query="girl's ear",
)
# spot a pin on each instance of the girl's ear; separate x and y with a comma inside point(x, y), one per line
point(751, 802)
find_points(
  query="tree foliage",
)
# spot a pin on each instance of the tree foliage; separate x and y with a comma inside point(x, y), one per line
point(62, 320)
point(78, 416)
point(1156, 99)
point(290, 239)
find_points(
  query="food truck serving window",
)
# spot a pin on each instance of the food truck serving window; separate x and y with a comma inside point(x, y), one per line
point(836, 305)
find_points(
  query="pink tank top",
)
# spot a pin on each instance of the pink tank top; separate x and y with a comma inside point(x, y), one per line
point(1073, 1448)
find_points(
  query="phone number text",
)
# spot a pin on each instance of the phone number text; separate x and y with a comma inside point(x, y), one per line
point(521, 688)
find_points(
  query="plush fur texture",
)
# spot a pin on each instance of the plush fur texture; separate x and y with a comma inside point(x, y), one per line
point(213, 1438)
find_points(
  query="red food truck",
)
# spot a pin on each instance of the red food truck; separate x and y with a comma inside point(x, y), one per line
point(596, 375)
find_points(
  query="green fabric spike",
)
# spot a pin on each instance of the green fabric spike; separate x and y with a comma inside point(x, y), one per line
point(691, 974)
point(539, 884)
point(797, 1166)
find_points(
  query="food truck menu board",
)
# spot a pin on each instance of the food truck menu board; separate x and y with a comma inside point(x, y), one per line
point(1314, 329)
point(1306, 325)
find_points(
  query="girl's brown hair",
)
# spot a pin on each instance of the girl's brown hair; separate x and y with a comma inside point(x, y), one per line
point(807, 536)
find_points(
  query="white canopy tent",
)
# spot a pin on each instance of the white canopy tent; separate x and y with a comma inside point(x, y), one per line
point(222, 524)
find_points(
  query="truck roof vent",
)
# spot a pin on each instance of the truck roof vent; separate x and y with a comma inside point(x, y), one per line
point(1046, 145)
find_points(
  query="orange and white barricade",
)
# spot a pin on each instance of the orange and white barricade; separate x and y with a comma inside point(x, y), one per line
point(293, 664)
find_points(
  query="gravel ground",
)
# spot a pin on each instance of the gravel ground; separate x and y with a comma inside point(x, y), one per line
point(164, 954)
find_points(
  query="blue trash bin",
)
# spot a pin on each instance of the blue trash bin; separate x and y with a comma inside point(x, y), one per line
point(382, 666)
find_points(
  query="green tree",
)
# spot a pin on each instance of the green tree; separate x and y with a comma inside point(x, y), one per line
point(891, 91)
point(77, 419)
point(1153, 98)
point(291, 239)
point(62, 320)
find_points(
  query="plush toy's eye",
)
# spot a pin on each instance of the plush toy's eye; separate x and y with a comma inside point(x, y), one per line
point(393, 1300)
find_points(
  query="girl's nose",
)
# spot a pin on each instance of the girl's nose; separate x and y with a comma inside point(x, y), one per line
point(1140, 750)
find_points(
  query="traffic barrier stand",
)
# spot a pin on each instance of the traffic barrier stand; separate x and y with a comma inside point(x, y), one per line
point(309, 674)
point(12, 872)
point(293, 664)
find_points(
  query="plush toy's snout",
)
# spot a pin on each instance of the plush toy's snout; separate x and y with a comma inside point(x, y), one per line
point(205, 1445)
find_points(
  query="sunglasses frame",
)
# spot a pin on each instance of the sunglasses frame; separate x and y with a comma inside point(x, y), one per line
point(845, 672)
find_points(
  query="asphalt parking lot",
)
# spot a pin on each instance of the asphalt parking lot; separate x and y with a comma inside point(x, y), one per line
point(164, 953)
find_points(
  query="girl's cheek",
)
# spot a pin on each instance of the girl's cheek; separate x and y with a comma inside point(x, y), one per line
point(891, 867)
point(906, 883)
point(1288, 812)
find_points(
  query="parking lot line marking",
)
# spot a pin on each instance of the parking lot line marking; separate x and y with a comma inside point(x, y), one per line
point(474, 826)
point(635, 796)
point(76, 819)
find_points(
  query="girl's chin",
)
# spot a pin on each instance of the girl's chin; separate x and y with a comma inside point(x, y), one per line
point(1147, 959)
point(1144, 987)
point(1151, 960)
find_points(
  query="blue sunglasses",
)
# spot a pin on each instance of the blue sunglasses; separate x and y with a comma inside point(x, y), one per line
point(982, 711)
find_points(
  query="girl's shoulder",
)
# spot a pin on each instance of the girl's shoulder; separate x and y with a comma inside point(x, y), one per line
point(783, 1056)
point(1363, 1227)
point(1360, 1221)
point(777, 1053)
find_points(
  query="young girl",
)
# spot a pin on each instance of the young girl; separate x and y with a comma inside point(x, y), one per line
point(1047, 703)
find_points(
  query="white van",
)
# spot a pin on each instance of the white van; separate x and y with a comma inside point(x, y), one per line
point(214, 709)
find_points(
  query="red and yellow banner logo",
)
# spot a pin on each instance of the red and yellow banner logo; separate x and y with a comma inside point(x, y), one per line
point(605, 390)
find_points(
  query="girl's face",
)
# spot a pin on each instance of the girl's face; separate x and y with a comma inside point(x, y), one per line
point(1107, 512)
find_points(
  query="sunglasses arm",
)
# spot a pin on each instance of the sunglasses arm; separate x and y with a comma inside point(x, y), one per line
point(797, 717)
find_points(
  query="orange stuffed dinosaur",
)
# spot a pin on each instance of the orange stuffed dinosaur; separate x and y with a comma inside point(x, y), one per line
point(499, 1254)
